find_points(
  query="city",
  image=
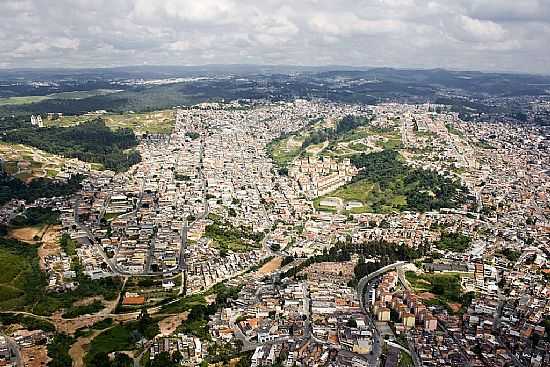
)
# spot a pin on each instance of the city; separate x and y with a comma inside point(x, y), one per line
point(210, 204)
point(305, 183)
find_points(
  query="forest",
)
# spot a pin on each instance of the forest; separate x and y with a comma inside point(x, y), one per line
point(424, 190)
point(91, 142)
point(13, 188)
point(346, 124)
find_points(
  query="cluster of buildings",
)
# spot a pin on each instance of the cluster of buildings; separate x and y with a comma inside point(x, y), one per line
point(190, 349)
point(37, 121)
point(320, 176)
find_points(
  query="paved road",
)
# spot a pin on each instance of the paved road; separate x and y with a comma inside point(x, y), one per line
point(362, 291)
point(14, 348)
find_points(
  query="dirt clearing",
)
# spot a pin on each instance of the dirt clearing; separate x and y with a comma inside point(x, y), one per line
point(271, 265)
point(27, 234)
point(169, 324)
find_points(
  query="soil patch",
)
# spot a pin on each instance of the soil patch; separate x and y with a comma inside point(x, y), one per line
point(27, 234)
point(271, 265)
point(426, 296)
point(80, 347)
point(50, 244)
point(35, 356)
point(169, 324)
point(455, 306)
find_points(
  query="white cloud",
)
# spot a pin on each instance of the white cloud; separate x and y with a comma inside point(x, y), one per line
point(470, 34)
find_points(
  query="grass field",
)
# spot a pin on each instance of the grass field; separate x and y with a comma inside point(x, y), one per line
point(369, 195)
point(445, 288)
point(19, 273)
point(63, 95)
point(114, 339)
point(28, 162)
point(156, 122)
point(184, 304)
point(285, 150)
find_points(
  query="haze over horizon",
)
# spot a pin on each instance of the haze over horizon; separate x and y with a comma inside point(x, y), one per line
point(485, 35)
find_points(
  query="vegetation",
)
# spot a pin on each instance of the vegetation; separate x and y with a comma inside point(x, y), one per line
point(456, 242)
point(102, 359)
point(386, 184)
point(166, 360)
point(453, 130)
point(92, 142)
point(405, 360)
point(226, 236)
point(446, 288)
point(28, 322)
point(58, 351)
point(192, 135)
point(67, 244)
point(64, 95)
point(20, 279)
point(23, 285)
point(121, 337)
point(13, 188)
point(76, 311)
point(184, 304)
point(284, 149)
point(511, 254)
point(289, 146)
point(35, 216)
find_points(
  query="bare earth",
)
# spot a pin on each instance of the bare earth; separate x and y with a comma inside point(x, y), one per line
point(79, 348)
point(169, 324)
point(455, 306)
point(271, 266)
point(35, 356)
point(87, 301)
point(426, 295)
point(26, 234)
point(50, 244)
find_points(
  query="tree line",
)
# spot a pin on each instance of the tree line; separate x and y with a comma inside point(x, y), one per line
point(13, 188)
point(91, 142)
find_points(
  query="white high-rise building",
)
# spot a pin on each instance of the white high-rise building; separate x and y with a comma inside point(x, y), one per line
point(37, 121)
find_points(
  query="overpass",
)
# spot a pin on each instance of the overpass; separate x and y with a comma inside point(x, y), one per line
point(368, 278)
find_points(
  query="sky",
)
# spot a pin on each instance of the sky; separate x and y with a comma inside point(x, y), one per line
point(486, 35)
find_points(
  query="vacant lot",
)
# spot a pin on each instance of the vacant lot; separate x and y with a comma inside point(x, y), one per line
point(285, 150)
point(271, 265)
point(28, 234)
point(439, 289)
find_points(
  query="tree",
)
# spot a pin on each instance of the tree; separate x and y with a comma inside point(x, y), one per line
point(100, 359)
point(122, 360)
point(352, 323)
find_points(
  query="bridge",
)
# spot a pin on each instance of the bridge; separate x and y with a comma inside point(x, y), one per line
point(368, 278)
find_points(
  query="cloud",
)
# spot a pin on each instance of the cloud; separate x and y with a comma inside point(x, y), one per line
point(507, 35)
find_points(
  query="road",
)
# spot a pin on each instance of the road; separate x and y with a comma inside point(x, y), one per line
point(14, 348)
point(374, 358)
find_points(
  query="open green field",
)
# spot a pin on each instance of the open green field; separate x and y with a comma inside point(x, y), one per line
point(284, 151)
point(64, 95)
point(21, 100)
point(26, 162)
point(370, 195)
point(156, 122)
point(117, 338)
point(445, 288)
point(20, 272)
point(227, 237)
